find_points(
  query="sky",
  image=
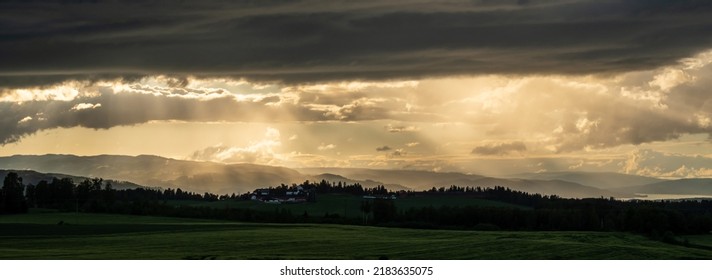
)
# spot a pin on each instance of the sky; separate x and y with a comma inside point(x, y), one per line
point(480, 86)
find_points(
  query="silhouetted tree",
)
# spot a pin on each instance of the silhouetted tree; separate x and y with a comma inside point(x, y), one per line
point(13, 194)
point(31, 195)
point(384, 210)
point(61, 194)
point(366, 210)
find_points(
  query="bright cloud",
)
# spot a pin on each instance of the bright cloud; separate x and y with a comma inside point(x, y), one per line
point(85, 106)
point(263, 151)
point(325, 147)
point(647, 162)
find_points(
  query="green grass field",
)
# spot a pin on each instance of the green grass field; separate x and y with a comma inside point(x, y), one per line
point(100, 236)
point(701, 240)
point(347, 205)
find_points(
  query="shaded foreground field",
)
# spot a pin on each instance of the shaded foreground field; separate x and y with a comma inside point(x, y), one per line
point(99, 236)
point(701, 241)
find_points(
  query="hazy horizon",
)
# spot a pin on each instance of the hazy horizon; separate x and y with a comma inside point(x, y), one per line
point(321, 170)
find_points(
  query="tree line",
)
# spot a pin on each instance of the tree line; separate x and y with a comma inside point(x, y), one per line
point(551, 212)
point(324, 187)
point(89, 195)
point(527, 211)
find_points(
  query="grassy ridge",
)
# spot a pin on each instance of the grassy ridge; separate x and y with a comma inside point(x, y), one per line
point(700, 240)
point(99, 236)
point(347, 205)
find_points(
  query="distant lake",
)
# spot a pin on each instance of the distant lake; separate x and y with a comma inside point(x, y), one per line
point(664, 196)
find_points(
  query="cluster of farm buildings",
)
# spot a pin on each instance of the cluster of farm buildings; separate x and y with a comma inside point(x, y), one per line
point(280, 196)
point(297, 194)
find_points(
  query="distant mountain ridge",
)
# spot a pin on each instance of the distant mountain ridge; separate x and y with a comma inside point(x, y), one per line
point(701, 186)
point(220, 178)
point(158, 171)
point(34, 177)
point(154, 171)
point(626, 183)
point(420, 180)
point(602, 180)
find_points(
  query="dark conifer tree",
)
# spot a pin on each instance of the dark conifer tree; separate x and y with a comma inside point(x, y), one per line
point(13, 194)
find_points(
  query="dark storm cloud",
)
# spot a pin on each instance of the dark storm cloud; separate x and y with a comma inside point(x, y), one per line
point(500, 149)
point(383, 149)
point(108, 109)
point(44, 42)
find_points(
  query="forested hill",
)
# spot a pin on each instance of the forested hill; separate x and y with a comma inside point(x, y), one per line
point(34, 177)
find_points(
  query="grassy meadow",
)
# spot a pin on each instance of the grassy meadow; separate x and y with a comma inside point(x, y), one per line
point(39, 235)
